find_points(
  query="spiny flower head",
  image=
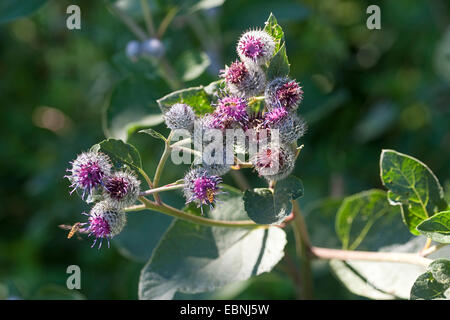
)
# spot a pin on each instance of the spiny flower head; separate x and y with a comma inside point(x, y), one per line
point(256, 46)
point(88, 171)
point(201, 187)
point(244, 79)
point(180, 116)
point(275, 115)
point(232, 109)
point(235, 73)
point(105, 220)
point(274, 162)
point(122, 188)
point(283, 92)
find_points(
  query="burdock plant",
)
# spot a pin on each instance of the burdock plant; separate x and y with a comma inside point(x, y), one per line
point(249, 119)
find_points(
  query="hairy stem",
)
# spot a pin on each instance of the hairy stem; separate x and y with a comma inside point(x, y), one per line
point(302, 246)
point(162, 189)
point(400, 257)
point(166, 209)
point(160, 168)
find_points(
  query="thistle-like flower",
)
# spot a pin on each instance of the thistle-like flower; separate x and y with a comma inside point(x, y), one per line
point(244, 79)
point(180, 116)
point(289, 125)
point(274, 162)
point(122, 188)
point(201, 187)
point(283, 92)
point(256, 46)
point(105, 221)
point(88, 171)
point(231, 111)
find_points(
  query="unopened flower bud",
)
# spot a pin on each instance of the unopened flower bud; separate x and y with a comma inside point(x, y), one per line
point(180, 116)
point(153, 47)
point(274, 162)
point(122, 188)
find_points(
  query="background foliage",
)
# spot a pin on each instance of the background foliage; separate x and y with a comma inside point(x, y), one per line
point(364, 91)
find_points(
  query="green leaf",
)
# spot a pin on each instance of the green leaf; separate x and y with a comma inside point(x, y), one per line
point(132, 106)
point(120, 153)
point(192, 258)
point(358, 214)
point(413, 186)
point(279, 65)
point(265, 206)
point(272, 27)
point(320, 217)
point(153, 133)
point(192, 64)
point(433, 284)
point(437, 227)
point(201, 98)
point(13, 9)
point(385, 280)
point(142, 234)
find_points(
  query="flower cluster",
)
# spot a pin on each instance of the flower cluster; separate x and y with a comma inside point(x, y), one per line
point(92, 174)
point(276, 120)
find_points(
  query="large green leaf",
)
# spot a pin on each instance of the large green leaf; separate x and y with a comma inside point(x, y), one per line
point(437, 227)
point(358, 213)
point(201, 98)
point(265, 206)
point(192, 258)
point(412, 186)
point(320, 217)
point(132, 106)
point(142, 234)
point(191, 64)
point(385, 280)
point(13, 9)
point(433, 284)
point(120, 153)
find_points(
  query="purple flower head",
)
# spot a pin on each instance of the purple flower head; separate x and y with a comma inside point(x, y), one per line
point(244, 79)
point(232, 109)
point(235, 73)
point(201, 187)
point(275, 115)
point(283, 92)
point(88, 171)
point(256, 46)
point(122, 188)
point(105, 221)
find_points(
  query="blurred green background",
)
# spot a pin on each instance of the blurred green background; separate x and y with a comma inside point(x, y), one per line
point(364, 90)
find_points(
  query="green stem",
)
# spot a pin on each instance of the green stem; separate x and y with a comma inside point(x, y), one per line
point(400, 257)
point(146, 177)
point(162, 189)
point(129, 22)
point(302, 245)
point(160, 168)
point(148, 18)
point(166, 209)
